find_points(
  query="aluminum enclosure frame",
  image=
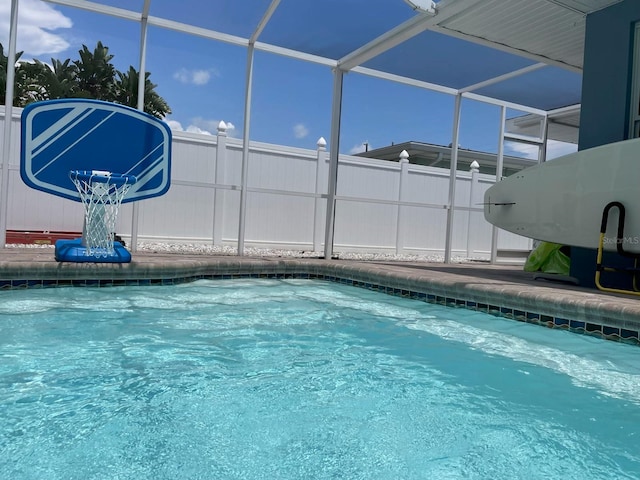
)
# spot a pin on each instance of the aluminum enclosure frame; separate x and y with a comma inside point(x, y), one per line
point(470, 20)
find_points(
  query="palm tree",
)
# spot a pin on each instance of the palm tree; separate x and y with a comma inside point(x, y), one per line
point(4, 61)
point(92, 76)
point(29, 86)
point(61, 79)
point(127, 93)
point(95, 74)
point(37, 81)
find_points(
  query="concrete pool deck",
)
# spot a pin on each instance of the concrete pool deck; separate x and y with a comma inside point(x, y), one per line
point(504, 290)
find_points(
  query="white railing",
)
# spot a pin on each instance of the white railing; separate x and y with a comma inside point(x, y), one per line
point(381, 206)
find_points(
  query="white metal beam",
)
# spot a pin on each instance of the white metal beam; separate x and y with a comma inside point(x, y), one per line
point(197, 31)
point(135, 209)
point(502, 78)
point(334, 153)
point(446, 10)
point(403, 32)
point(503, 103)
point(287, 52)
point(388, 40)
point(499, 168)
point(8, 120)
point(568, 110)
point(245, 150)
point(405, 80)
point(265, 19)
point(542, 153)
point(155, 21)
point(143, 53)
point(99, 8)
point(242, 220)
point(453, 176)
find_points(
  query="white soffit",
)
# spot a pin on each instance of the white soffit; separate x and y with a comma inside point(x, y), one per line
point(551, 31)
point(585, 6)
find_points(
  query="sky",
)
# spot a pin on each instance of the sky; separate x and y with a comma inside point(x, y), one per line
point(203, 82)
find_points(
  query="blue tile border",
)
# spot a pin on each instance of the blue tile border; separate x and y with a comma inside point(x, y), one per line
point(574, 325)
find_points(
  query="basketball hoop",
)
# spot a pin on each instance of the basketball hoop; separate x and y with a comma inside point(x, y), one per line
point(101, 194)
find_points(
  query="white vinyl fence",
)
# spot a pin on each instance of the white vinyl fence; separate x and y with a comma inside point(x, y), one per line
point(381, 206)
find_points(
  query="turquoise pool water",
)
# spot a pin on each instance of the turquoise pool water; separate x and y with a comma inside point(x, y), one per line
point(299, 379)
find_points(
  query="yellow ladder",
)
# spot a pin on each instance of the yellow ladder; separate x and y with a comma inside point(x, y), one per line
point(620, 239)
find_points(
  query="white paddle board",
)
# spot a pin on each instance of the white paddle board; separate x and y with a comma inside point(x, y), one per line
point(562, 200)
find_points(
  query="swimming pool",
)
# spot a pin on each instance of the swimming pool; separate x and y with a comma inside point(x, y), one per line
point(287, 379)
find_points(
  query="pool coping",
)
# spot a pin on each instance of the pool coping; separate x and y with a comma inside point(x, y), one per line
point(587, 311)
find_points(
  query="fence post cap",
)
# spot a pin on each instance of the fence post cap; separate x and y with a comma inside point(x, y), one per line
point(322, 143)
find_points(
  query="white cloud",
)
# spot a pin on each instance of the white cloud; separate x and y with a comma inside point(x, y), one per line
point(194, 129)
point(523, 150)
point(37, 22)
point(204, 124)
point(174, 125)
point(194, 77)
point(300, 131)
point(363, 147)
point(231, 128)
point(200, 77)
point(200, 126)
point(211, 125)
point(555, 149)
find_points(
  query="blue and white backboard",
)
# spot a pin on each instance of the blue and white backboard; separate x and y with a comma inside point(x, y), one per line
point(76, 134)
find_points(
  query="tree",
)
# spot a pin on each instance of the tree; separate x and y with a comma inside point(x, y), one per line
point(35, 80)
point(91, 76)
point(29, 85)
point(96, 74)
point(127, 93)
point(4, 61)
point(61, 79)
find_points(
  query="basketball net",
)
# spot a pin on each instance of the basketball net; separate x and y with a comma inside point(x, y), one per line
point(101, 194)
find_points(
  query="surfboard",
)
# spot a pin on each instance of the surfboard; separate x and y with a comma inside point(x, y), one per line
point(562, 200)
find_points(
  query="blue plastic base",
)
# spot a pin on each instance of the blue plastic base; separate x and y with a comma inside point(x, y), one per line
point(74, 251)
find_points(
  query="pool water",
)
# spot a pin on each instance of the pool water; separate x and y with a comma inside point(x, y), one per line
point(301, 379)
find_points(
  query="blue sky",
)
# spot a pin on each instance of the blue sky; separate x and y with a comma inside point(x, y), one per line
point(204, 82)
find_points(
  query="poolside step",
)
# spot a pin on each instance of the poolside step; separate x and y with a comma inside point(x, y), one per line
point(514, 256)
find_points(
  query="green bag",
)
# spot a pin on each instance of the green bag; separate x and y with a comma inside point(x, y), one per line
point(548, 258)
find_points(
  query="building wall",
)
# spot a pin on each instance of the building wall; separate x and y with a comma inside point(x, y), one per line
point(607, 74)
point(606, 84)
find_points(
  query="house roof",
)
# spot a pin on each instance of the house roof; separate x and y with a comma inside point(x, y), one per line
point(431, 155)
point(563, 124)
point(524, 52)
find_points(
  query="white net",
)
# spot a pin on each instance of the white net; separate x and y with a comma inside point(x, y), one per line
point(101, 194)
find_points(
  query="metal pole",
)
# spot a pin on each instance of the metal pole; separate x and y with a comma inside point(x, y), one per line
point(334, 151)
point(542, 153)
point(245, 150)
point(8, 114)
point(135, 212)
point(474, 169)
point(499, 163)
point(452, 178)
